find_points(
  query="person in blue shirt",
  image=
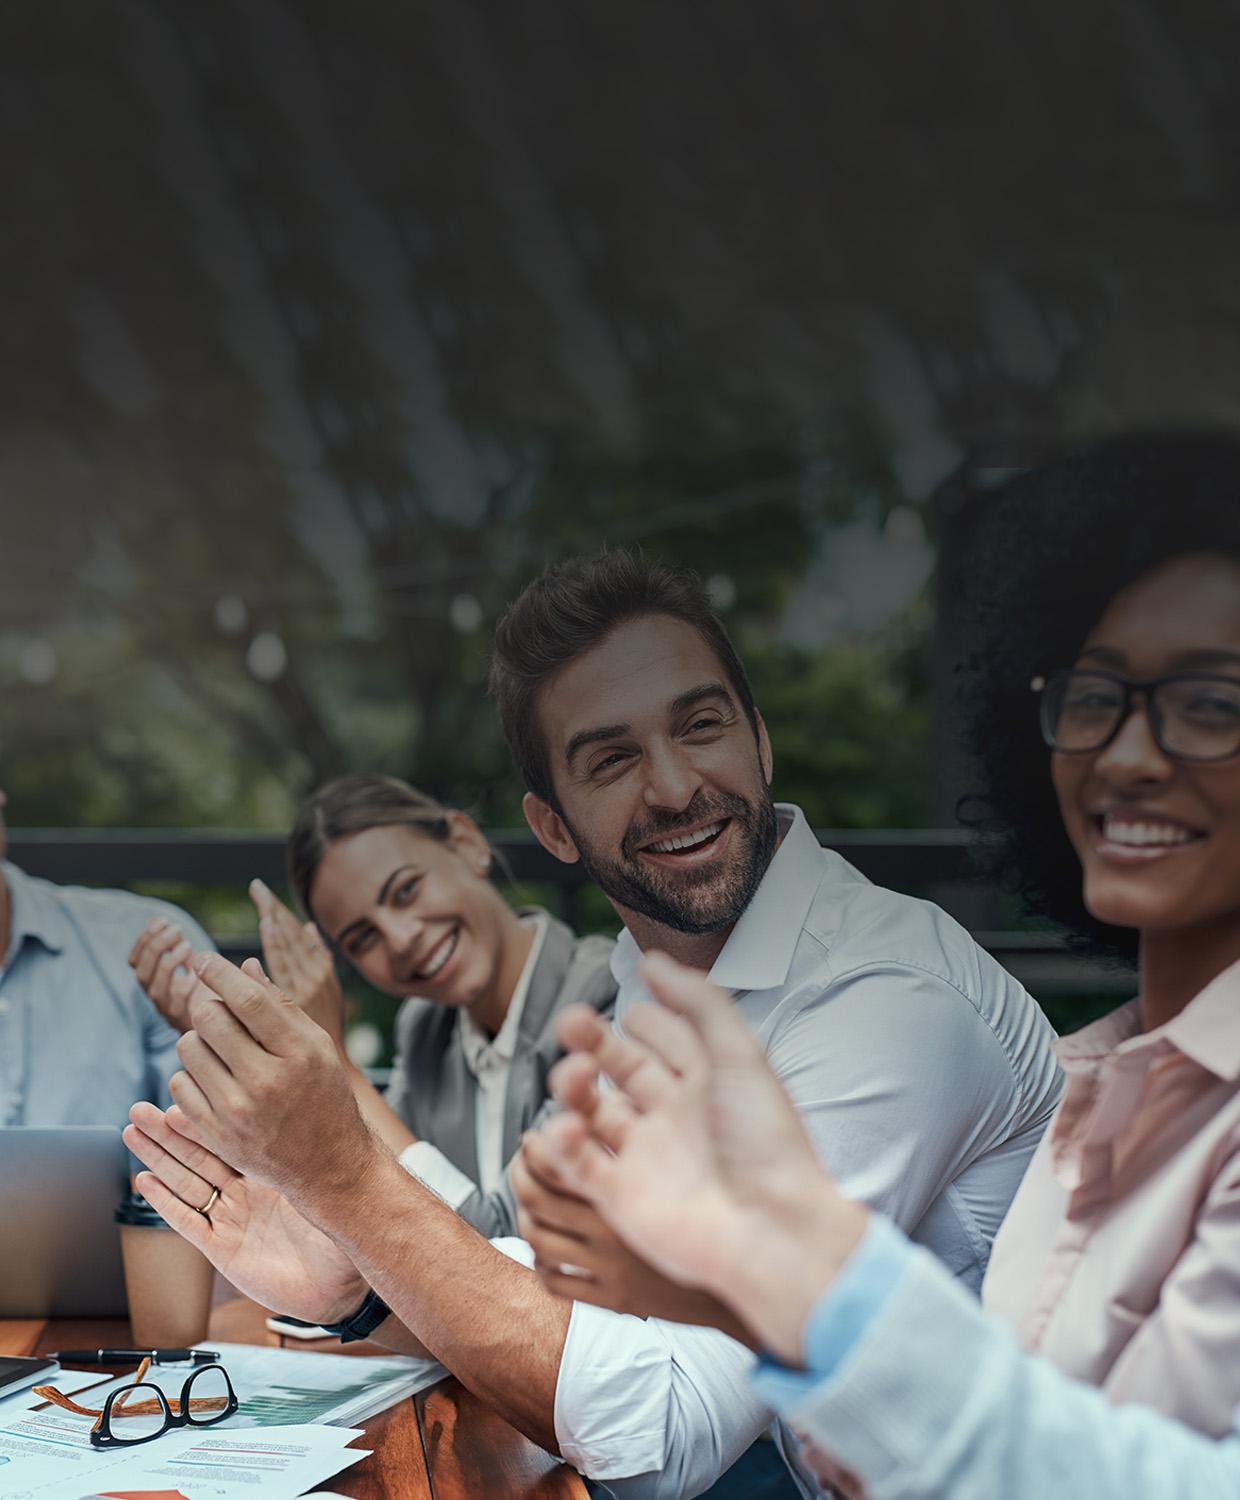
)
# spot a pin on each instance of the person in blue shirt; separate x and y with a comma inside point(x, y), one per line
point(80, 1042)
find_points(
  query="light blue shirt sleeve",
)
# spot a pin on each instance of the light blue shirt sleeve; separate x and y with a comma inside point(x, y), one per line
point(841, 1317)
point(933, 1398)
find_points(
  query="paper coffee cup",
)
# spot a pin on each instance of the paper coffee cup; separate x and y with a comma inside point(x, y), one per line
point(167, 1281)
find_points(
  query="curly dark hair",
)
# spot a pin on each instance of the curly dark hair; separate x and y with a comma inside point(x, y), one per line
point(1050, 551)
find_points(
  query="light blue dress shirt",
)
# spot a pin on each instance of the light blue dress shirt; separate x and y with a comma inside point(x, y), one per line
point(924, 1076)
point(79, 1039)
point(920, 1395)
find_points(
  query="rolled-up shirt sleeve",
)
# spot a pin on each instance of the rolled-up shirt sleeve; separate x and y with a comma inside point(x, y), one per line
point(654, 1410)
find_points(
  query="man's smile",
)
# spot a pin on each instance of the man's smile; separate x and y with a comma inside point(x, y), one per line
point(690, 846)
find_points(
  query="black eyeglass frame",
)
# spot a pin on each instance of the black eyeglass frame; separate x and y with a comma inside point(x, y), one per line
point(102, 1436)
point(1131, 687)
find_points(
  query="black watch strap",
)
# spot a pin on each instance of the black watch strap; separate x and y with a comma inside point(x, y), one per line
point(373, 1311)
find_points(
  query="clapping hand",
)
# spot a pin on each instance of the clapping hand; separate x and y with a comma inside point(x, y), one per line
point(265, 1089)
point(162, 959)
point(697, 1159)
point(251, 1234)
point(565, 1232)
point(299, 962)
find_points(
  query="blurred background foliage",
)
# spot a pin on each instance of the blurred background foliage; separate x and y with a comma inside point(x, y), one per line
point(328, 325)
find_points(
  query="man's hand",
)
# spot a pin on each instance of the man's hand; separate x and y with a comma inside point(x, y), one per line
point(644, 1153)
point(697, 1158)
point(566, 1231)
point(161, 960)
point(253, 1236)
point(265, 1089)
point(299, 962)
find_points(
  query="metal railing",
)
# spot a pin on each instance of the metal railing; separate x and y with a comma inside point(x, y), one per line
point(934, 862)
point(121, 856)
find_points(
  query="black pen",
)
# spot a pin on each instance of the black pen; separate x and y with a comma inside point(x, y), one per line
point(135, 1356)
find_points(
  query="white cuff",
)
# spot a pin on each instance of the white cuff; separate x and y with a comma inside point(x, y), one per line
point(519, 1250)
point(433, 1170)
point(612, 1394)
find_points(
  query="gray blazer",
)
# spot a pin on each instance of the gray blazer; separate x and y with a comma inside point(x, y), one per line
point(435, 1094)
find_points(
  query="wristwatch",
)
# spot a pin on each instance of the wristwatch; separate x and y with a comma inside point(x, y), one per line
point(373, 1311)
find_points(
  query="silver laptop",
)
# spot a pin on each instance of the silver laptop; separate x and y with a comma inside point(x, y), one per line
point(60, 1251)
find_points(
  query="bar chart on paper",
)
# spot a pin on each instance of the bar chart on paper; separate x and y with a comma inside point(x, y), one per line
point(282, 1405)
point(283, 1387)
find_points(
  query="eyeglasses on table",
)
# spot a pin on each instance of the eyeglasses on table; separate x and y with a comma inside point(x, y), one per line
point(139, 1412)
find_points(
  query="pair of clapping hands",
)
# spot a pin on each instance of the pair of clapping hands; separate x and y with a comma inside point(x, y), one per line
point(264, 1130)
point(294, 954)
point(690, 1189)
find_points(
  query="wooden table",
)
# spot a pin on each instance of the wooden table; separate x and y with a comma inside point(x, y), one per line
point(471, 1453)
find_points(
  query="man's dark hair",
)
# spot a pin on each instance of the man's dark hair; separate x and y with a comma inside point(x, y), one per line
point(570, 608)
point(1053, 549)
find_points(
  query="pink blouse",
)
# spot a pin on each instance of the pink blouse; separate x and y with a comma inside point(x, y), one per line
point(1119, 1259)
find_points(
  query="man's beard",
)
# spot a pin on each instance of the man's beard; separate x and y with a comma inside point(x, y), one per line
point(669, 897)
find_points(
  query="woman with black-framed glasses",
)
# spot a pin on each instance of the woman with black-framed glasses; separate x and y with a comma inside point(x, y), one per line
point(1120, 604)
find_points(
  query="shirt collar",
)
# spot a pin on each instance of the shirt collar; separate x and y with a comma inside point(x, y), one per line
point(1206, 1028)
point(759, 951)
point(33, 913)
point(474, 1041)
point(1100, 1038)
point(1205, 1031)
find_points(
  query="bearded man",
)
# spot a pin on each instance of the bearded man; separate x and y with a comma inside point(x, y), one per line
point(921, 1068)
